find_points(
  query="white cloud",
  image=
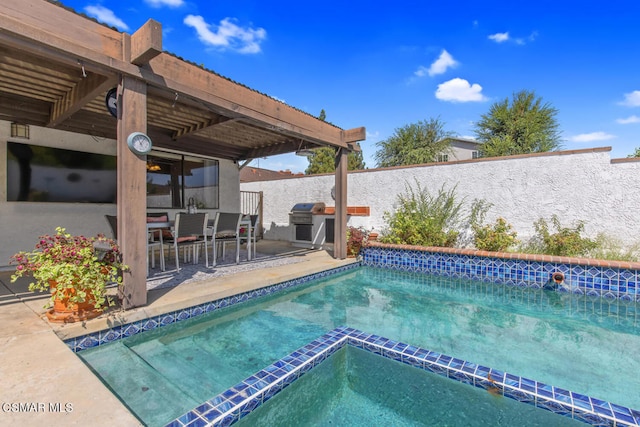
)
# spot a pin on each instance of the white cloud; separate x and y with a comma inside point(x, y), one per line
point(628, 120)
point(227, 35)
point(506, 37)
point(593, 136)
point(106, 16)
point(440, 65)
point(459, 90)
point(632, 99)
point(499, 37)
point(160, 3)
point(373, 136)
point(421, 71)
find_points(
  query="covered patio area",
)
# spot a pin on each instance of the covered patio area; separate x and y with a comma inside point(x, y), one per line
point(61, 70)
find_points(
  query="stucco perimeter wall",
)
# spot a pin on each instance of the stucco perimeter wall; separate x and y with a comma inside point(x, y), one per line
point(579, 185)
point(22, 222)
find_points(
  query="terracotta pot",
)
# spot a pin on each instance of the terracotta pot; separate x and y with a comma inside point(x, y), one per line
point(353, 250)
point(64, 312)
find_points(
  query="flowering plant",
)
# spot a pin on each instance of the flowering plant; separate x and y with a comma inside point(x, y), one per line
point(357, 237)
point(75, 269)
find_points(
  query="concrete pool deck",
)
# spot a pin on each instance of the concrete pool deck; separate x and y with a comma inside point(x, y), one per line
point(45, 383)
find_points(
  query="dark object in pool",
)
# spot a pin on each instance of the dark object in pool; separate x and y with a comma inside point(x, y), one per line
point(556, 281)
point(493, 388)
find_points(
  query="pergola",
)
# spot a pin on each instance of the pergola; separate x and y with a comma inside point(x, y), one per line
point(56, 67)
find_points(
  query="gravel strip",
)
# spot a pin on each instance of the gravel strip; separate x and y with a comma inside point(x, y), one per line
point(198, 272)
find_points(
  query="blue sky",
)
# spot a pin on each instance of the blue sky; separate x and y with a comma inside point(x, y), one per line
point(384, 65)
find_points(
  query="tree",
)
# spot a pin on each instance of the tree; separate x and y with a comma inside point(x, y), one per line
point(525, 125)
point(324, 158)
point(414, 144)
point(636, 153)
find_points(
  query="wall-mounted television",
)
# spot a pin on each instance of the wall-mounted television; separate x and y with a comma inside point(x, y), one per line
point(44, 174)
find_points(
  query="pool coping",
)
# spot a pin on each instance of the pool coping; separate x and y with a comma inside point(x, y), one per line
point(240, 400)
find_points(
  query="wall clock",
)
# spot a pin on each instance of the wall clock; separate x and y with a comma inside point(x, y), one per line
point(111, 100)
point(139, 143)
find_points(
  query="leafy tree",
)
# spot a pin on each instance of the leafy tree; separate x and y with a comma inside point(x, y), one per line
point(524, 125)
point(323, 160)
point(636, 153)
point(414, 144)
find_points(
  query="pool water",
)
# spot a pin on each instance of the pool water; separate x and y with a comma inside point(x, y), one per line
point(584, 344)
point(355, 388)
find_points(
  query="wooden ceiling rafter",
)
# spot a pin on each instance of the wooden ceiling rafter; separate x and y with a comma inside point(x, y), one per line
point(86, 90)
point(205, 124)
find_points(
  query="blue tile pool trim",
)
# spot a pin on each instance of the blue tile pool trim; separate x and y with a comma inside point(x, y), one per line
point(238, 401)
point(581, 279)
point(107, 336)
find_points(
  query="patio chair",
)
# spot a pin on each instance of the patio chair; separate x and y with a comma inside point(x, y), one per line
point(226, 229)
point(152, 244)
point(113, 223)
point(244, 234)
point(190, 232)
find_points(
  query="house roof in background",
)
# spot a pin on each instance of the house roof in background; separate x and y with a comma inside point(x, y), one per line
point(251, 174)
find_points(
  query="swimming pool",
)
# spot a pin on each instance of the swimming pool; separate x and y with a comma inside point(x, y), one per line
point(354, 387)
point(572, 341)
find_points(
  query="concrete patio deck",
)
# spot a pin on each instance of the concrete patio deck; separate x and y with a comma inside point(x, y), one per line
point(45, 383)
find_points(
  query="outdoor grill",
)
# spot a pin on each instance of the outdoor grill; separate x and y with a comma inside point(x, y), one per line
point(301, 218)
point(302, 213)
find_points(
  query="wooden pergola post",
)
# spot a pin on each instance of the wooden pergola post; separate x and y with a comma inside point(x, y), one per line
point(340, 232)
point(132, 195)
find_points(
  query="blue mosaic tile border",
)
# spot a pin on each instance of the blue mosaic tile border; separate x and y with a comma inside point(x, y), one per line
point(238, 401)
point(107, 336)
point(589, 280)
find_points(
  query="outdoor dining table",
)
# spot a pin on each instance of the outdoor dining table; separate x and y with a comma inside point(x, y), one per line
point(168, 225)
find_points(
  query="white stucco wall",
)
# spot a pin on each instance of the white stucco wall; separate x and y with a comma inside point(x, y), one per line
point(22, 222)
point(576, 185)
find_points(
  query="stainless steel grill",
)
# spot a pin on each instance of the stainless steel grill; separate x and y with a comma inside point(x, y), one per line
point(302, 213)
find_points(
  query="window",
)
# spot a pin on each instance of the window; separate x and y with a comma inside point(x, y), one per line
point(475, 154)
point(174, 181)
point(443, 158)
point(45, 174)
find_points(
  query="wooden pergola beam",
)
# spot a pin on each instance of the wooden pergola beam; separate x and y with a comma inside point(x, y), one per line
point(80, 95)
point(146, 43)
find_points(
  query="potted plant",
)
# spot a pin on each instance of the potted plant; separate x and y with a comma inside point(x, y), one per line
point(75, 269)
point(357, 237)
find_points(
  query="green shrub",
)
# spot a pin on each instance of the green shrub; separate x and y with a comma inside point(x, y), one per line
point(497, 237)
point(423, 219)
point(566, 241)
point(609, 248)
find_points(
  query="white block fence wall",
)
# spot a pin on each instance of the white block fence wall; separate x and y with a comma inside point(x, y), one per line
point(578, 185)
